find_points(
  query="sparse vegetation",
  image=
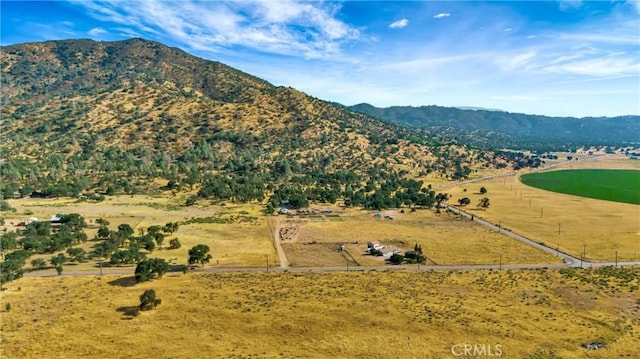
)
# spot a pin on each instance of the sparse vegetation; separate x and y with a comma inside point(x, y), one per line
point(148, 300)
point(312, 307)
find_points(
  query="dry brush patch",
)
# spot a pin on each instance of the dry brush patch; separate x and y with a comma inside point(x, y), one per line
point(315, 315)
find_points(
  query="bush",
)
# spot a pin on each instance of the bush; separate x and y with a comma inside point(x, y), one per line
point(191, 200)
point(5, 206)
point(38, 263)
point(174, 244)
point(396, 258)
point(148, 300)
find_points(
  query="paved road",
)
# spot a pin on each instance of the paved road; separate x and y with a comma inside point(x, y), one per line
point(569, 260)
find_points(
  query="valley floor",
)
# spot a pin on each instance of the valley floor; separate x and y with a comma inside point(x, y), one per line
point(373, 314)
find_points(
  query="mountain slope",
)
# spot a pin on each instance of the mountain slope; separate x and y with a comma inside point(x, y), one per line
point(498, 129)
point(118, 116)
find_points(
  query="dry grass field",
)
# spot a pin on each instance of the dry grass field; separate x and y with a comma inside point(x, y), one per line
point(446, 239)
point(236, 234)
point(602, 227)
point(318, 315)
point(240, 236)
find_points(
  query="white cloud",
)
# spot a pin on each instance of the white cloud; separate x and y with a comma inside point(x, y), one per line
point(399, 24)
point(97, 31)
point(508, 29)
point(441, 15)
point(285, 27)
point(615, 66)
point(566, 5)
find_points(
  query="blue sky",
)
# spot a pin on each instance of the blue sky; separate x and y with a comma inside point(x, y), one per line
point(559, 58)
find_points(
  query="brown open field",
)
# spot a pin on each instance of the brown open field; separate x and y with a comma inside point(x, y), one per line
point(602, 227)
point(245, 240)
point(446, 239)
point(240, 236)
point(317, 315)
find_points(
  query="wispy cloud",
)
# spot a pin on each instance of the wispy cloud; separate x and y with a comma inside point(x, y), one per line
point(441, 15)
point(286, 27)
point(97, 31)
point(399, 24)
point(566, 5)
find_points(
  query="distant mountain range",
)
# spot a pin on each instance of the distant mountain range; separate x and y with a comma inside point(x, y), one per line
point(499, 129)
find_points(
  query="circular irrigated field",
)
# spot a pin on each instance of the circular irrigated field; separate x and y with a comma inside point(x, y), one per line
point(611, 185)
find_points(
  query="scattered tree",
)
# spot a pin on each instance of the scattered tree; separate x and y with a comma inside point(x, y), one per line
point(146, 269)
point(58, 261)
point(76, 254)
point(199, 254)
point(484, 203)
point(148, 300)
point(38, 263)
point(171, 227)
point(483, 190)
point(396, 258)
point(464, 201)
point(174, 244)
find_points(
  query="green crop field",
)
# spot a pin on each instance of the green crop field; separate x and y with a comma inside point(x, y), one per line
point(611, 185)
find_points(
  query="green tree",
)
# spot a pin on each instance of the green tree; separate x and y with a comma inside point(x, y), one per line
point(396, 258)
point(58, 261)
point(483, 190)
point(38, 263)
point(174, 244)
point(199, 254)
point(171, 227)
point(125, 230)
point(464, 201)
point(146, 269)
point(102, 222)
point(484, 203)
point(8, 241)
point(76, 254)
point(5, 206)
point(149, 300)
point(11, 268)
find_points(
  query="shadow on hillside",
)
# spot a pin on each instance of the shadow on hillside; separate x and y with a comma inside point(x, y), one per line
point(129, 312)
point(124, 282)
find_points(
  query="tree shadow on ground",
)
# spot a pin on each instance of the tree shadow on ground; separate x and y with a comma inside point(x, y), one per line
point(123, 282)
point(129, 312)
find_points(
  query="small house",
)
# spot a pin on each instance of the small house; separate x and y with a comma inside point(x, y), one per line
point(374, 245)
point(389, 251)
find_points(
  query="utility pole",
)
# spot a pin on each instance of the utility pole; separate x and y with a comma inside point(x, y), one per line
point(500, 260)
point(616, 257)
point(558, 228)
point(267, 262)
point(541, 212)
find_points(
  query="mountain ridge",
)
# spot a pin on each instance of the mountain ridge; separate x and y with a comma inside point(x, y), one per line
point(117, 117)
point(501, 129)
